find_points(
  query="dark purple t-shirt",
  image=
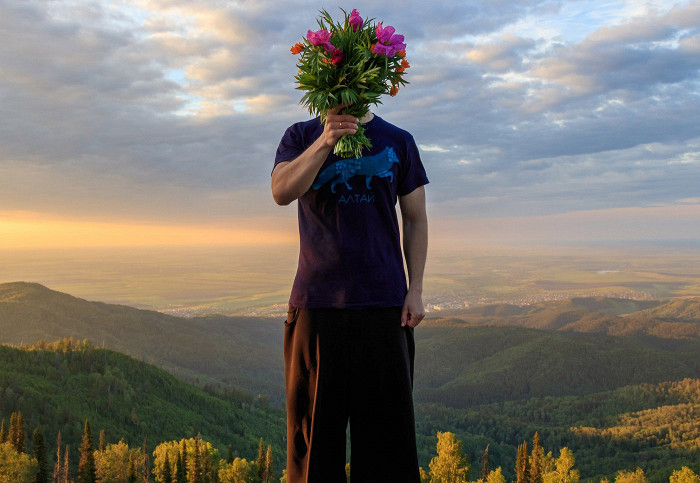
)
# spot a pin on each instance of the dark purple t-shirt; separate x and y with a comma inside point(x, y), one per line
point(350, 252)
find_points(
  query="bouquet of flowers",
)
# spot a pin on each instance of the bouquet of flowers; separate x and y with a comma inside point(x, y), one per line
point(349, 63)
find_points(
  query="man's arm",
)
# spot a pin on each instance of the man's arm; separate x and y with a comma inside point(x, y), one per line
point(415, 248)
point(291, 179)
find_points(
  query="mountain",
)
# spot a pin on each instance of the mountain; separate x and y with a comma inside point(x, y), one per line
point(487, 354)
point(675, 319)
point(59, 385)
point(239, 352)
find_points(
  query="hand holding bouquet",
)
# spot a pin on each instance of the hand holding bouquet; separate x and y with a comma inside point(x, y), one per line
point(349, 64)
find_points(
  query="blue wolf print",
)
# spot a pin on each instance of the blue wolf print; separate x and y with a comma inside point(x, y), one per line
point(369, 166)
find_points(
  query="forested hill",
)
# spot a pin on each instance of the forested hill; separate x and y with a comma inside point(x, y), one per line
point(239, 352)
point(482, 355)
point(493, 375)
point(461, 365)
point(61, 384)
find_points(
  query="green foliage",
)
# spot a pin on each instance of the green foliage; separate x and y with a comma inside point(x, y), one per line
point(16, 466)
point(450, 465)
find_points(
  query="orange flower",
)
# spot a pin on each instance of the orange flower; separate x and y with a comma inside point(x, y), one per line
point(401, 53)
point(405, 64)
point(394, 90)
point(297, 48)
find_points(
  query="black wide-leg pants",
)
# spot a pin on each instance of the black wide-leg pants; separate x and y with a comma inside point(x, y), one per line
point(356, 366)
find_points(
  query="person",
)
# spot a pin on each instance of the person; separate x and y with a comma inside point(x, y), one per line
point(348, 341)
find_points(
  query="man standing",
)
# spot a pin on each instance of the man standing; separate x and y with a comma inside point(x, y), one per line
point(348, 343)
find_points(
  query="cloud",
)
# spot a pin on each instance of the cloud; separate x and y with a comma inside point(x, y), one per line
point(172, 110)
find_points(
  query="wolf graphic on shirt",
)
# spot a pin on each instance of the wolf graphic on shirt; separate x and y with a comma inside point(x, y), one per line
point(378, 165)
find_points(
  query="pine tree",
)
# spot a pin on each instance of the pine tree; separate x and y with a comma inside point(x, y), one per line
point(3, 433)
point(12, 429)
point(16, 432)
point(536, 460)
point(229, 457)
point(485, 464)
point(521, 464)
point(269, 466)
point(86, 464)
point(39, 445)
point(181, 473)
point(167, 470)
point(57, 469)
point(131, 472)
point(101, 446)
point(65, 472)
point(145, 472)
point(261, 461)
point(197, 474)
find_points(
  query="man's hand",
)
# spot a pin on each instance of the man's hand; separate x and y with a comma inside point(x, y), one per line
point(413, 311)
point(337, 125)
point(415, 248)
point(291, 179)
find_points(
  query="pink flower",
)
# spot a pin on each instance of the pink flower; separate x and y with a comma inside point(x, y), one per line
point(321, 37)
point(388, 43)
point(337, 57)
point(355, 20)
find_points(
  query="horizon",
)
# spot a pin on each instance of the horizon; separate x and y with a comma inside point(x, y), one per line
point(255, 280)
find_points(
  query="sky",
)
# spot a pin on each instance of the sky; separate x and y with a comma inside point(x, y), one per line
point(130, 122)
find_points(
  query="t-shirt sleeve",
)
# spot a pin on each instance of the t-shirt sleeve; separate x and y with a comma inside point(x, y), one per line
point(412, 173)
point(290, 147)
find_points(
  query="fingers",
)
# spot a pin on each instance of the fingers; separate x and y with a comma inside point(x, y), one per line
point(339, 124)
point(404, 316)
point(414, 320)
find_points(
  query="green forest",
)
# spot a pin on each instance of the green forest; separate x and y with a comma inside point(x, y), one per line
point(195, 460)
point(150, 424)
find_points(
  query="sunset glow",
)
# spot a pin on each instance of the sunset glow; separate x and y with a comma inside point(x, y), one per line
point(31, 230)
